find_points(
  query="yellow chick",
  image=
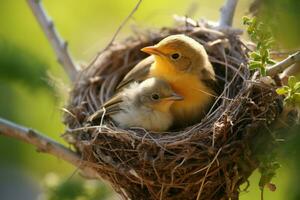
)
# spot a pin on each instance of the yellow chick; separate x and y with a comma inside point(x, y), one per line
point(184, 64)
point(146, 104)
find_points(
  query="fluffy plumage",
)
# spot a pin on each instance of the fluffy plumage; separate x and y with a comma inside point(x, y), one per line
point(146, 104)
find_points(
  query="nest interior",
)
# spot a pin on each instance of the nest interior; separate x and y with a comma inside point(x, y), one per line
point(209, 160)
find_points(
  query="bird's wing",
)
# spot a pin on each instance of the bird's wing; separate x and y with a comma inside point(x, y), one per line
point(110, 107)
point(138, 72)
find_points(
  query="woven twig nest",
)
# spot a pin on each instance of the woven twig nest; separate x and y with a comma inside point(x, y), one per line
point(209, 160)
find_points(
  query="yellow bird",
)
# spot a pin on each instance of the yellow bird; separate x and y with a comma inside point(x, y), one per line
point(184, 64)
point(146, 104)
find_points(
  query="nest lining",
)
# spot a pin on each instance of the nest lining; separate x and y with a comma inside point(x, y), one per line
point(209, 160)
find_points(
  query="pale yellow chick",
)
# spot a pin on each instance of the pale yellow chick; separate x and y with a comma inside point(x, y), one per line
point(146, 104)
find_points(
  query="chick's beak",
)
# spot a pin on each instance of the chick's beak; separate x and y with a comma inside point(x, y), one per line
point(174, 97)
point(153, 50)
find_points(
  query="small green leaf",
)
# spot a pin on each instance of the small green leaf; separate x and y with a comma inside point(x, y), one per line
point(246, 20)
point(255, 56)
point(297, 86)
point(292, 81)
point(269, 42)
point(254, 65)
point(271, 62)
point(260, 34)
point(283, 90)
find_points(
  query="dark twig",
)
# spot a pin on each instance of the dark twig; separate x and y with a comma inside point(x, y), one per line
point(59, 45)
point(44, 144)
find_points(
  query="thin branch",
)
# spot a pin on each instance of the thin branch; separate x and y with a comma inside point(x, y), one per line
point(136, 7)
point(293, 70)
point(44, 144)
point(227, 13)
point(58, 44)
point(282, 65)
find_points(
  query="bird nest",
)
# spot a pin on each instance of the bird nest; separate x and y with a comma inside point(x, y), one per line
point(209, 160)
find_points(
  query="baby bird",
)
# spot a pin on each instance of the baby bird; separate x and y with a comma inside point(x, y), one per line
point(146, 104)
point(184, 64)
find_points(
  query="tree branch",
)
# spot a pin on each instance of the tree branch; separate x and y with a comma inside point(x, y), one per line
point(58, 44)
point(282, 65)
point(293, 70)
point(44, 144)
point(227, 13)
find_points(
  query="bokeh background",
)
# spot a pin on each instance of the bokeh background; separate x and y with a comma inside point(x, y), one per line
point(33, 86)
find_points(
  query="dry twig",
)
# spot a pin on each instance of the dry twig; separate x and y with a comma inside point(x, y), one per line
point(293, 70)
point(282, 65)
point(118, 31)
point(59, 45)
point(123, 24)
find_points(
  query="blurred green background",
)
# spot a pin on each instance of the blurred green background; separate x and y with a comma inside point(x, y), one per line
point(29, 97)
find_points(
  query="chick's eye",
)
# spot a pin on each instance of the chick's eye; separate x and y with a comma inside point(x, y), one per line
point(175, 56)
point(155, 97)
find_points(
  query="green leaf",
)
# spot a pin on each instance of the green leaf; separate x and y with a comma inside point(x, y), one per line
point(292, 81)
point(264, 55)
point(260, 34)
point(283, 90)
point(297, 86)
point(271, 62)
point(246, 20)
point(254, 65)
point(269, 42)
point(255, 56)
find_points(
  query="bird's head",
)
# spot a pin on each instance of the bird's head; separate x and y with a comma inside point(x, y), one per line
point(183, 53)
point(156, 94)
